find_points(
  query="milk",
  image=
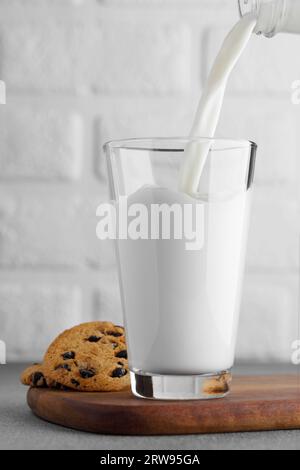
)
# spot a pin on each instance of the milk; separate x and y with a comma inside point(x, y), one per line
point(181, 307)
point(209, 108)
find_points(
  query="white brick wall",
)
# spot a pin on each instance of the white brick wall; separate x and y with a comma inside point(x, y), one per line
point(48, 144)
point(80, 72)
point(34, 315)
point(269, 317)
point(274, 229)
point(40, 232)
point(61, 56)
point(273, 124)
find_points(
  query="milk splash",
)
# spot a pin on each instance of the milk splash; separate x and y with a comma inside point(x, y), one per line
point(209, 108)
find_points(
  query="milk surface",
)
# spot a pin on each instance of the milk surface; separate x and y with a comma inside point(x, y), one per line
point(181, 307)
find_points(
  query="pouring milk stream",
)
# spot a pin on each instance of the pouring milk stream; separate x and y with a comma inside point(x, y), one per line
point(266, 17)
point(209, 109)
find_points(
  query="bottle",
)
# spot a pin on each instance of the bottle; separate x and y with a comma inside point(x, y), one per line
point(273, 16)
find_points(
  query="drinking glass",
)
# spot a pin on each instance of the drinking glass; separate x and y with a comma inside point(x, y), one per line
point(180, 261)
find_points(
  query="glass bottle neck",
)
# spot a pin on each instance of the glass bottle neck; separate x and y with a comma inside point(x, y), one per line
point(271, 15)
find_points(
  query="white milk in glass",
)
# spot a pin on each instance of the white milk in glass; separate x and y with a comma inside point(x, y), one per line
point(181, 307)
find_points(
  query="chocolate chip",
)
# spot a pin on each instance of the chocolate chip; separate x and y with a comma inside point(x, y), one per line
point(59, 386)
point(75, 382)
point(68, 355)
point(122, 354)
point(87, 373)
point(94, 339)
point(114, 333)
point(119, 372)
point(38, 379)
point(114, 345)
point(63, 366)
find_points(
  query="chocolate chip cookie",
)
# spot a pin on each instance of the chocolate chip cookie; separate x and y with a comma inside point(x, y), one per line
point(88, 357)
point(34, 376)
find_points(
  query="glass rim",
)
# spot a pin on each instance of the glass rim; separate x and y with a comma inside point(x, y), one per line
point(152, 143)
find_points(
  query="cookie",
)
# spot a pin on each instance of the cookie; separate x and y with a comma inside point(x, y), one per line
point(34, 376)
point(88, 357)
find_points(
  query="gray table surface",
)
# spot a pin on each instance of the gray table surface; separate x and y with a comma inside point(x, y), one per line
point(20, 429)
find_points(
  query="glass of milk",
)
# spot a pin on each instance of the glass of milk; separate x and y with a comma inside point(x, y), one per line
point(181, 260)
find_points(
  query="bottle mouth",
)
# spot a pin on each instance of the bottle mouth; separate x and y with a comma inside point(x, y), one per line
point(270, 14)
point(248, 6)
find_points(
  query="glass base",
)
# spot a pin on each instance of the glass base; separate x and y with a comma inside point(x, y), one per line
point(180, 387)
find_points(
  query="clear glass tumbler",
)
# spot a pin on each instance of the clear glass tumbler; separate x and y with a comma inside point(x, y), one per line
point(181, 262)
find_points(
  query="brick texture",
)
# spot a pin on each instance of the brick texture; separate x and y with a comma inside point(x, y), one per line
point(31, 317)
point(80, 57)
point(269, 318)
point(274, 230)
point(40, 232)
point(49, 58)
point(272, 124)
point(40, 144)
point(107, 301)
point(167, 66)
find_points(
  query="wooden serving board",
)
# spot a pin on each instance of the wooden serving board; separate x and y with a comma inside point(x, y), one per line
point(255, 403)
